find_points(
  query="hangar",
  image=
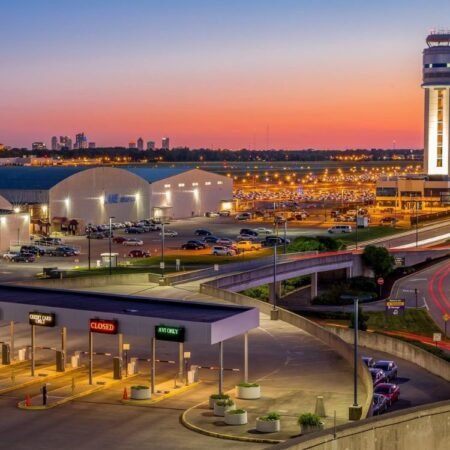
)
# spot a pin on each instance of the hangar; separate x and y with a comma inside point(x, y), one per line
point(68, 198)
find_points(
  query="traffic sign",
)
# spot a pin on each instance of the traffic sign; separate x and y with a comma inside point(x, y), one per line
point(395, 307)
point(437, 337)
point(380, 281)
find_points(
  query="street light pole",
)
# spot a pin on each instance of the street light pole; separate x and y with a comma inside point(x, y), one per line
point(109, 241)
point(356, 235)
point(417, 224)
point(162, 249)
point(89, 245)
point(415, 293)
point(285, 234)
point(355, 353)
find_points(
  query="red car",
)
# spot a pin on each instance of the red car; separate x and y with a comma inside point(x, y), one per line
point(389, 390)
point(139, 254)
point(119, 239)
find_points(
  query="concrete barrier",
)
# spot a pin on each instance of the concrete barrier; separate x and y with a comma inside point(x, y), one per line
point(423, 427)
point(399, 348)
point(92, 281)
point(326, 336)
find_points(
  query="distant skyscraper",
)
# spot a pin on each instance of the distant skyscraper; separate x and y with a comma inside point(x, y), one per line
point(132, 145)
point(91, 144)
point(436, 82)
point(38, 146)
point(140, 144)
point(65, 142)
point(55, 145)
point(165, 143)
point(81, 141)
point(150, 145)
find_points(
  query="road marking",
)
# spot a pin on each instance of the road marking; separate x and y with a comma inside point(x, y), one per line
point(425, 303)
point(418, 279)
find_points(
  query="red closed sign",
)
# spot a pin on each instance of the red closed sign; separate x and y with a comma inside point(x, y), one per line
point(104, 326)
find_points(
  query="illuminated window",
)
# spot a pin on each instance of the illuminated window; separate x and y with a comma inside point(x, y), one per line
point(167, 185)
point(180, 184)
point(207, 183)
point(220, 182)
point(440, 127)
point(194, 184)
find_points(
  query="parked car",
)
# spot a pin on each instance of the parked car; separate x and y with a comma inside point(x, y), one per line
point(139, 253)
point(134, 230)
point(243, 216)
point(33, 249)
point(389, 390)
point(279, 220)
point(48, 241)
point(248, 232)
point(211, 214)
point(224, 241)
point(390, 220)
point(389, 368)
point(201, 232)
point(132, 242)
point(225, 213)
point(62, 251)
point(263, 230)
point(368, 361)
point(340, 229)
point(210, 239)
point(96, 235)
point(380, 404)
point(247, 237)
point(119, 239)
point(301, 216)
point(170, 233)
point(377, 376)
point(248, 245)
point(23, 257)
point(271, 241)
point(193, 245)
point(219, 250)
point(9, 255)
point(155, 227)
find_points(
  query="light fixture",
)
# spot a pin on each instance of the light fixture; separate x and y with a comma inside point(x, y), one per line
point(17, 209)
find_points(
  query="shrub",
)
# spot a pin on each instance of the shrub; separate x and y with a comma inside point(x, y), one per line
point(378, 259)
point(226, 402)
point(219, 396)
point(362, 320)
point(237, 411)
point(248, 385)
point(270, 416)
point(310, 419)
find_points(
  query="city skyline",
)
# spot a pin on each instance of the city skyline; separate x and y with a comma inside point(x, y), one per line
point(215, 75)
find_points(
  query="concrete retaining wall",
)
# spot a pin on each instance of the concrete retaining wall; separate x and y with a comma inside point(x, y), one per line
point(424, 427)
point(321, 333)
point(401, 349)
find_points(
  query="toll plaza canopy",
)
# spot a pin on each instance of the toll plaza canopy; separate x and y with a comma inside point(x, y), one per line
point(202, 323)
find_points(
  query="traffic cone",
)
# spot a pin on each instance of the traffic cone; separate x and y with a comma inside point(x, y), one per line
point(125, 394)
point(27, 401)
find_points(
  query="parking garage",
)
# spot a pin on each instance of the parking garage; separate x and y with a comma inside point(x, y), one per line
point(120, 317)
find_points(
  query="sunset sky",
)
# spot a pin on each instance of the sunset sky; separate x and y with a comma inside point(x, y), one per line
point(213, 73)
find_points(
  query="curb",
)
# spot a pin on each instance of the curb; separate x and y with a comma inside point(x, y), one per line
point(151, 402)
point(229, 437)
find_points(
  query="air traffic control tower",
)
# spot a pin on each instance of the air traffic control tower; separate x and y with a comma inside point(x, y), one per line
point(429, 191)
point(436, 83)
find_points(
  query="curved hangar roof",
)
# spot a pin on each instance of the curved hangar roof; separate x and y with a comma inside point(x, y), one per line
point(44, 178)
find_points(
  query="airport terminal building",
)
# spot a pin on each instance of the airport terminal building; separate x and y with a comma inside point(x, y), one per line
point(68, 198)
point(432, 188)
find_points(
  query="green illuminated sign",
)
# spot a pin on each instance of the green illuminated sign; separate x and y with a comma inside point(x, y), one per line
point(169, 333)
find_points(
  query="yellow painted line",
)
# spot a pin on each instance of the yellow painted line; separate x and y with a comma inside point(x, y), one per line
point(21, 405)
point(152, 401)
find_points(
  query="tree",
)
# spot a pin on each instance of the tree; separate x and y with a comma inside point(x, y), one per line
point(362, 320)
point(379, 260)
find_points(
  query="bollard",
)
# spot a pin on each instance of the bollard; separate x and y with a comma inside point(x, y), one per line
point(73, 385)
point(320, 406)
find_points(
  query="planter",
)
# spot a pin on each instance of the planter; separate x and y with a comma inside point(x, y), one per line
point(310, 428)
point(236, 419)
point(248, 393)
point(267, 426)
point(212, 401)
point(140, 393)
point(221, 410)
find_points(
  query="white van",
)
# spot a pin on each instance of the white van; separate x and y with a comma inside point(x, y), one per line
point(340, 229)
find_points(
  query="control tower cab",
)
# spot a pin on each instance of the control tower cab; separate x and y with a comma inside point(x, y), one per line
point(436, 82)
